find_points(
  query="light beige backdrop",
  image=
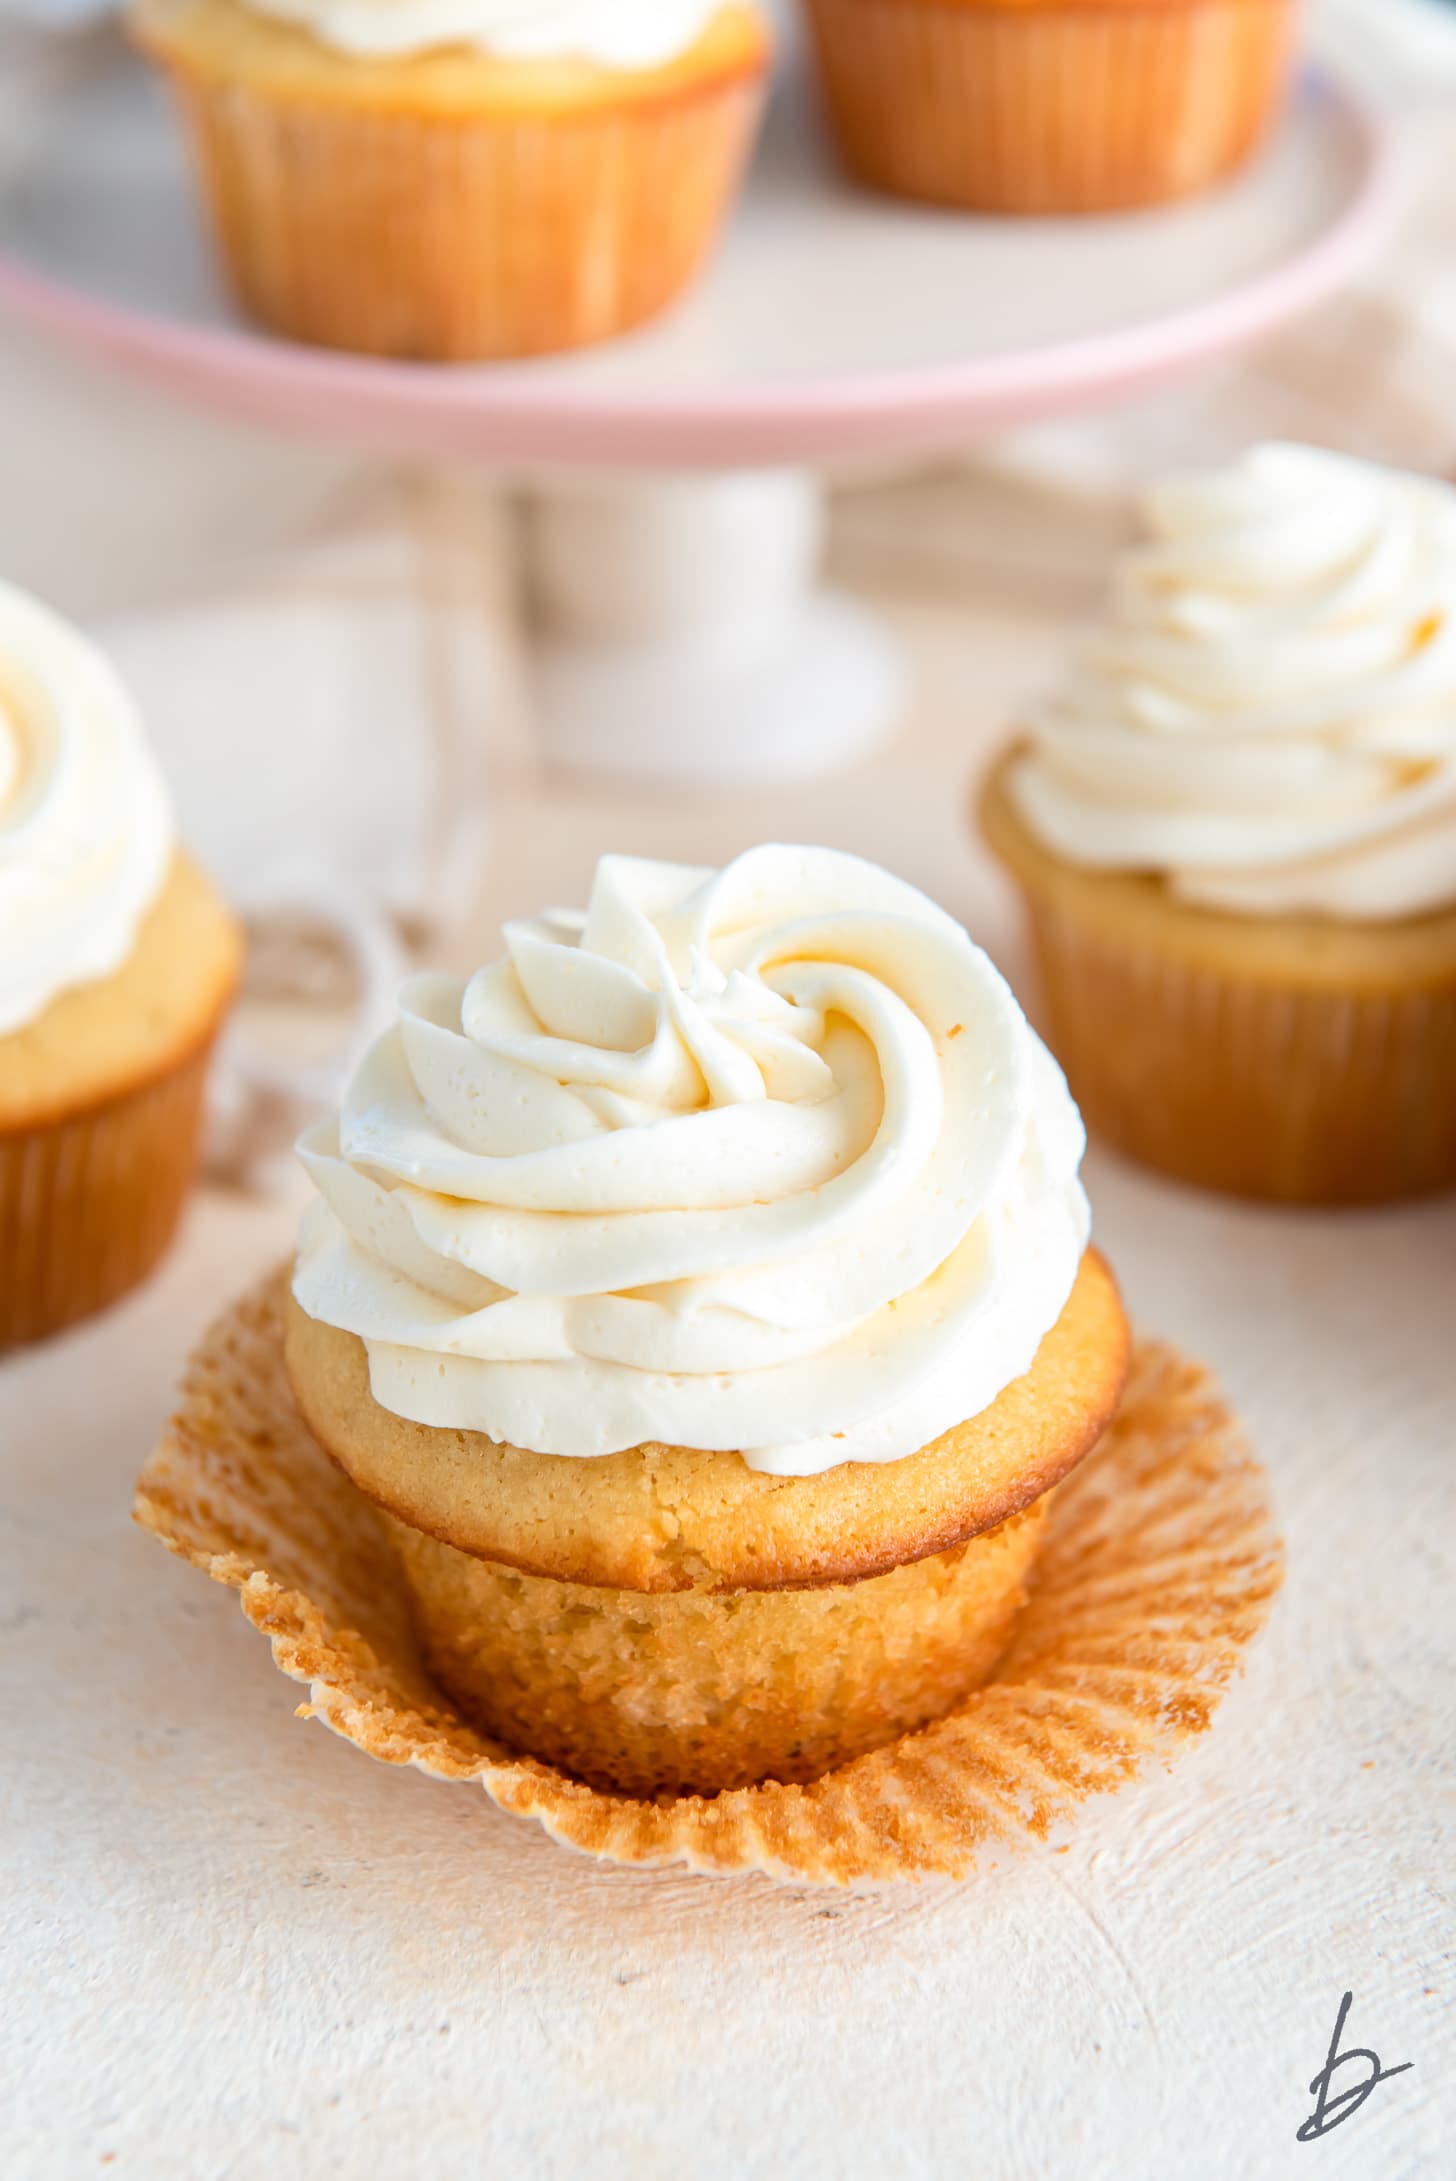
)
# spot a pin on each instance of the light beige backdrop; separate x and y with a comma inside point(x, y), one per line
point(229, 1944)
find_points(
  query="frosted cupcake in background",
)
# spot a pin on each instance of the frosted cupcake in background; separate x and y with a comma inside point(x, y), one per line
point(1235, 831)
point(1050, 106)
point(117, 962)
point(457, 179)
point(703, 1290)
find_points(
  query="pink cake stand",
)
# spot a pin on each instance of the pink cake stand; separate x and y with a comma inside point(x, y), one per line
point(674, 535)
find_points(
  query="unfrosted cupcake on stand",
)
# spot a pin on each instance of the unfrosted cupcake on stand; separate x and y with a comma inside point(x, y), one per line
point(1234, 828)
point(462, 179)
point(117, 963)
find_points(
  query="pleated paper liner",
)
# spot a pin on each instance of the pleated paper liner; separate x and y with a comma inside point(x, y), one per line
point(454, 239)
point(88, 1203)
point(1160, 1567)
point(1262, 1090)
point(1262, 1057)
point(1055, 108)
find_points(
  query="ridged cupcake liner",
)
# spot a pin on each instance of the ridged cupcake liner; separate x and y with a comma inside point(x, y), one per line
point(1160, 1566)
point(1049, 109)
point(453, 238)
point(1263, 1089)
point(89, 1203)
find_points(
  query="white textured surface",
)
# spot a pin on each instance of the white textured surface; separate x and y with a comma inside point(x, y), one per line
point(236, 1945)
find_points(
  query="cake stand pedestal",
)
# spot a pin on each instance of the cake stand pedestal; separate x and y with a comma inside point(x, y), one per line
point(672, 528)
point(683, 633)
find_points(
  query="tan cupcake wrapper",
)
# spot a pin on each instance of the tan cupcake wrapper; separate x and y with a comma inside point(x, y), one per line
point(1256, 1087)
point(89, 1202)
point(1049, 109)
point(453, 238)
point(1160, 1566)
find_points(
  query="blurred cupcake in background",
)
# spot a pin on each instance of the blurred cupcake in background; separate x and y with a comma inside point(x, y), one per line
point(1235, 831)
point(1050, 106)
point(457, 179)
point(117, 963)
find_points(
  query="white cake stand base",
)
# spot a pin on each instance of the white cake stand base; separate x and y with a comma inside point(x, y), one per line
point(683, 635)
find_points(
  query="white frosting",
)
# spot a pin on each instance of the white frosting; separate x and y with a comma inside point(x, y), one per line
point(1270, 718)
point(614, 33)
point(85, 824)
point(763, 1159)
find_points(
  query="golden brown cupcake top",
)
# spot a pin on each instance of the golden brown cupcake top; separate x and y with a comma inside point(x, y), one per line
point(665, 1518)
point(161, 1006)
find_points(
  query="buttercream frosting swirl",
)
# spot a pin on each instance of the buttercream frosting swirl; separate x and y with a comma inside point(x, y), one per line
point(85, 821)
point(1269, 720)
point(764, 1159)
point(614, 33)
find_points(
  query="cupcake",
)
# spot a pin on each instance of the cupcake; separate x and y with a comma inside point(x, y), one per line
point(1235, 832)
point(117, 961)
point(703, 1293)
point(455, 179)
point(1052, 106)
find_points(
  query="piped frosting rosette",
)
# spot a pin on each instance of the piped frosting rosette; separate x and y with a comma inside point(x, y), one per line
point(765, 1159)
point(1269, 719)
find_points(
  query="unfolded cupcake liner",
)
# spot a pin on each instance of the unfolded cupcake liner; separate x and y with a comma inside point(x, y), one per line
point(1244, 1083)
point(1068, 108)
point(89, 1202)
point(1160, 1566)
point(451, 237)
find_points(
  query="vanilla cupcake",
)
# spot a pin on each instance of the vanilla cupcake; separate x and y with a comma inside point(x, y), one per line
point(457, 179)
point(1050, 106)
point(703, 1292)
point(1235, 831)
point(117, 961)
